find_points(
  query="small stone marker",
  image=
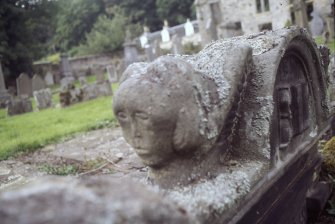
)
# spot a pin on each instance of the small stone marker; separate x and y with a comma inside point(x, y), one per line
point(149, 53)
point(49, 79)
point(83, 80)
point(112, 75)
point(66, 82)
point(19, 106)
point(100, 77)
point(24, 85)
point(4, 96)
point(317, 24)
point(43, 98)
point(177, 47)
point(65, 66)
point(37, 83)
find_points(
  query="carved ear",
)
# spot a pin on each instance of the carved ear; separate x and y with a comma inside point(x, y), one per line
point(185, 136)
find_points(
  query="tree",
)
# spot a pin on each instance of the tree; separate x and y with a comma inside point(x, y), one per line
point(175, 11)
point(25, 29)
point(75, 19)
point(106, 35)
point(139, 12)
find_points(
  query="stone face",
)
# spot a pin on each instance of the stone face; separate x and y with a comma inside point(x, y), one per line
point(173, 106)
point(49, 79)
point(43, 98)
point(19, 106)
point(37, 83)
point(24, 85)
point(90, 200)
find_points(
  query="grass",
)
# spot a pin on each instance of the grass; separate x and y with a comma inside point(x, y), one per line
point(30, 131)
point(331, 45)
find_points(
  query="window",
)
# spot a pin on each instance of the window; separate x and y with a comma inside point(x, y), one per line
point(262, 6)
point(266, 5)
point(259, 6)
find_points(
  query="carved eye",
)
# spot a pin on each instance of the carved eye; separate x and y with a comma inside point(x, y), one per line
point(122, 115)
point(142, 115)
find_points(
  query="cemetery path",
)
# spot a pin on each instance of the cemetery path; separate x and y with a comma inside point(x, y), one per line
point(99, 152)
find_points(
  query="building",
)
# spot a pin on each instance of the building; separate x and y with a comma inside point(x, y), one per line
point(227, 18)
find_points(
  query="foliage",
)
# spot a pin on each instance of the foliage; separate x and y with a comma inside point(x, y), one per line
point(190, 48)
point(331, 45)
point(99, 39)
point(329, 156)
point(62, 170)
point(25, 31)
point(52, 125)
point(76, 18)
point(175, 11)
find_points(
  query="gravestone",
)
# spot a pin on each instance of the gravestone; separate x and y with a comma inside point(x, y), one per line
point(83, 80)
point(19, 105)
point(177, 47)
point(43, 98)
point(104, 89)
point(156, 49)
point(65, 68)
point(149, 53)
point(189, 29)
point(90, 91)
point(100, 77)
point(112, 75)
point(130, 50)
point(24, 85)
point(49, 79)
point(317, 24)
point(66, 83)
point(4, 96)
point(37, 83)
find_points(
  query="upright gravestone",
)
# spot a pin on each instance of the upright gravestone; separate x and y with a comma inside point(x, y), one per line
point(149, 53)
point(156, 50)
point(112, 75)
point(24, 85)
point(43, 98)
point(100, 77)
point(37, 83)
point(317, 24)
point(65, 66)
point(19, 105)
point(4, 96)
point(130, 53)
point(49, 79)
point(177, 47)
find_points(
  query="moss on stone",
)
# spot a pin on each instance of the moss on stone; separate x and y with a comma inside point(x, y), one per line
point(329, 155)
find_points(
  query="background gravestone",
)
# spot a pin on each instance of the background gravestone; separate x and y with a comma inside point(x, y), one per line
point(100, 77)
point(112, 75)
point(65, 66)
point(317, 24)
point(4, 96)
point(24, 85)
point(37, 83)
point(43, 98)
point(177, 47)
point(49, 79)
point(20, 105)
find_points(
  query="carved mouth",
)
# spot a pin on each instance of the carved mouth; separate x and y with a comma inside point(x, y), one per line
point(142, 152)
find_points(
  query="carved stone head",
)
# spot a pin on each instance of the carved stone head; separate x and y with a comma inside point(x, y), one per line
point(157, 107)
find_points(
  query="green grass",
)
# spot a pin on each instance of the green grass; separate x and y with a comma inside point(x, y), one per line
point(30, 131)
point(331, 45)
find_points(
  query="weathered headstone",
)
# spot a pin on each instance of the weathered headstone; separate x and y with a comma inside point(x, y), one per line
point(104, 89)
point(43, 98)
point(4, 96)
point(130, 50)
point(49, 79)
point(67, 83)
point(19, 105)
point(317, 24)
point(37, 83)
point(65, 68)
point(112, 75)
point(177, 47)
point(90, 91)
point(156, 49)
point(24, 85)
point(100, 77)
point(83, 80)
point(149, 53)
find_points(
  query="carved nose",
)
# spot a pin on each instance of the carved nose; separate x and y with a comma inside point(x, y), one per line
point(134, 131)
